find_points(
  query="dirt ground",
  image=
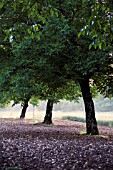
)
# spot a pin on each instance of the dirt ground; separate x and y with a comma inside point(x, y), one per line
point(62, 146)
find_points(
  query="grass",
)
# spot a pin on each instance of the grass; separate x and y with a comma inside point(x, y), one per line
point(103, 118)
point(14, 168)
point(72, 118)
point(80, 119)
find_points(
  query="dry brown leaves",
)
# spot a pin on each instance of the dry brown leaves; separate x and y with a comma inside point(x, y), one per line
point(59, 146)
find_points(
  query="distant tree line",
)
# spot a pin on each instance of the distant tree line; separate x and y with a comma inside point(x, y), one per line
point(101, 105)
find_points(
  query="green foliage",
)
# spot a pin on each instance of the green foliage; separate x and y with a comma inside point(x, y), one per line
point(51, 46)
point(34, 101)
point(3, 105)
point(99, 23)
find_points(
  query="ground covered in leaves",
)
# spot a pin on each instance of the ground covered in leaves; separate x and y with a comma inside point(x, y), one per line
point(62, 146)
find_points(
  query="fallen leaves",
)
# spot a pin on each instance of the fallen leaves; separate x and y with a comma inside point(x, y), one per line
point(57, 147)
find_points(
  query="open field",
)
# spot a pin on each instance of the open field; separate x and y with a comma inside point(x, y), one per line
point(24, 146)
point(34, 113)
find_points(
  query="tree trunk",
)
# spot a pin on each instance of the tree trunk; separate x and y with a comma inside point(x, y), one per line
point(22, 116)
point(91, 123)
point(48, 116)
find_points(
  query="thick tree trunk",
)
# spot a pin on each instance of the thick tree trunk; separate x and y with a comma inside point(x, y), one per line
point(48, 116)
point(22, 116)
point(91, 123)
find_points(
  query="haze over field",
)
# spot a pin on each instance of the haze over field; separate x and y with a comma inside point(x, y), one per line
point(104, 110)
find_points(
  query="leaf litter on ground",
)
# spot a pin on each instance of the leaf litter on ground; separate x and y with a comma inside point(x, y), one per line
point(25, 146)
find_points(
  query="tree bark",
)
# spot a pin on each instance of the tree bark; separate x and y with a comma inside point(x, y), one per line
point(91, 123)
point(48, 116)
point(22, 116)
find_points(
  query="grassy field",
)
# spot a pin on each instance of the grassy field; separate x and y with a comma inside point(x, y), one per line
point(34, 113)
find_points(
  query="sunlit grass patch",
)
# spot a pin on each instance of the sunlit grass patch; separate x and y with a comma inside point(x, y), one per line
point(80, 119)
point(82, 132)
point(103, 136)
point(73, 118)
point(14, 168)
point(105, 123)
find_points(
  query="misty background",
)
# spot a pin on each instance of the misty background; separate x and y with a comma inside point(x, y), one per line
point(101, 105)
